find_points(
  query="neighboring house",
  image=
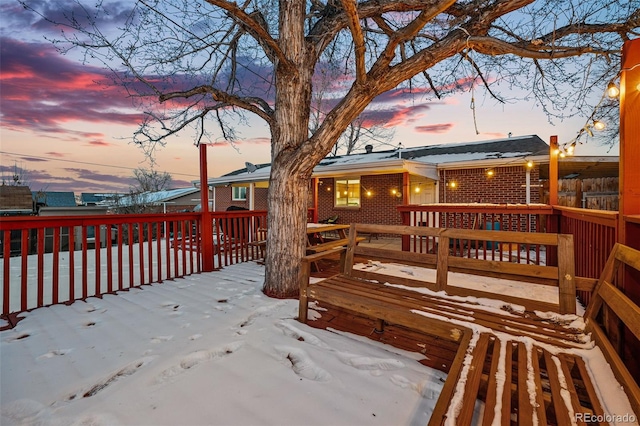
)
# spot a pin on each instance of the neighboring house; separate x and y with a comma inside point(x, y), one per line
point(368, 187)
point(53, 199)
point(15, 201)
point(96, 199)
point(167, 201)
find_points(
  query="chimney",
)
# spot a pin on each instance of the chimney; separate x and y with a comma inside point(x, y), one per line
point(368, 149)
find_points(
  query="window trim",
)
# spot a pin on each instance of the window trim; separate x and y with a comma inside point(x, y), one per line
point(239, 197)
point(347, 180)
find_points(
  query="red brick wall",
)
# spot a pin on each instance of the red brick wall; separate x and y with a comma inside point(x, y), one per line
point(223, 199)
point(474, 185)
point(379, 208)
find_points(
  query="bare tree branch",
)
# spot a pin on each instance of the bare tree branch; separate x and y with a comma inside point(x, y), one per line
point(358, 39)
point(259, 32)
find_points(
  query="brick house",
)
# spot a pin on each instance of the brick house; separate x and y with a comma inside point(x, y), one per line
point(368, 187)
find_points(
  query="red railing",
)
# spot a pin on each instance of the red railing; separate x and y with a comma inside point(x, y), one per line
point(49, 260)
point(595, 232)
point(517, 217)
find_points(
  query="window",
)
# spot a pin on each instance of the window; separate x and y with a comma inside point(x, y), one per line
point(239, 193)
point(347, 192)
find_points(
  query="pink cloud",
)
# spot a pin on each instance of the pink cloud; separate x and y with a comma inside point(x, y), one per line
point(55, 154)
point(434, 128)
point(99, 143)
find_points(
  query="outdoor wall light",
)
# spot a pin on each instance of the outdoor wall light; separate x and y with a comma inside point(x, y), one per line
point(612, 90)
point(417, 189)
point(491, 172)
point(530, 164)
point(452, 184)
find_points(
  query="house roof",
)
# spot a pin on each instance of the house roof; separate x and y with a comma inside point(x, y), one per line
point(157, 197)
point(423, 160)
point(54, 199)
point(95, 198)
point(15, 200)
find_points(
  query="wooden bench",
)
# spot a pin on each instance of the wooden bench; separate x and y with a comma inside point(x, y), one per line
point(443, 262)
point(523, 365)
point(331, 244)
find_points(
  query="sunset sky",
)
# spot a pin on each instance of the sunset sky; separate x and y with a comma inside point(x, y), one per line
point(67, 129)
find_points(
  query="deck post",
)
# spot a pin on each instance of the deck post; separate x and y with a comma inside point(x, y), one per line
point(553, 170)
point(206, 237)
point(629, 134)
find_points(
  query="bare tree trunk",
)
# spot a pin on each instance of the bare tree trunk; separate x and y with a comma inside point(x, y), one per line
point(286, 239)
point(290, 170)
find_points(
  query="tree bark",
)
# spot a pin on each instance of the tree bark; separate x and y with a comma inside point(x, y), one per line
point(286, 239)
point(290, 168)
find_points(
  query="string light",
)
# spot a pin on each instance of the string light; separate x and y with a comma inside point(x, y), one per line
point(612, 90)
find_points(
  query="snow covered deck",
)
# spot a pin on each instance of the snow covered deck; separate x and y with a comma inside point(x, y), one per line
point(212, 349)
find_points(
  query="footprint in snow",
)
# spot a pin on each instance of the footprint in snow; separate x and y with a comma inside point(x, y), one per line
point(127, 370)
point(160, 339)
point(54, 353)
point(294, 332)
point(261, 311)
point(303, 365)
point(430, 392)
point(369, 363)
point(18, 337)
point(198, 357)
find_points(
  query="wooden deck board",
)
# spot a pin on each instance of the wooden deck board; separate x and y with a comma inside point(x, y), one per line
point(540, 377)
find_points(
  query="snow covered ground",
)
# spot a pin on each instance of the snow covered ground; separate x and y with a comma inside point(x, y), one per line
point(212, 349)
point(206, 349)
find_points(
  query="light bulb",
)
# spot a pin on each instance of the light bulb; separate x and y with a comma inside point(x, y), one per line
point(599, 125)
point(612, 90)
point(530, 164)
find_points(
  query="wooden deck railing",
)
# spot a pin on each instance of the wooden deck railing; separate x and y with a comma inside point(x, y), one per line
point(595, 231)
point(50, 260)
point(507, 217)
point(44, 263)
